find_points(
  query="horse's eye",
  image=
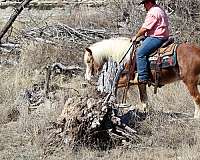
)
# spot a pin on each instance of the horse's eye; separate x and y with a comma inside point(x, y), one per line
point(88, 61)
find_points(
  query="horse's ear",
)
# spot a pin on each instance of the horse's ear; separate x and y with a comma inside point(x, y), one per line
point(89, 51)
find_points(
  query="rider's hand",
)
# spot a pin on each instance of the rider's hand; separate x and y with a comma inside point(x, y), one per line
point(134, 39)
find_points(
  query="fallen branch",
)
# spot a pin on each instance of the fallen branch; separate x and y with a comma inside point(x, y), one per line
point(59, 69)
point(17, 11)
point(37, 4)
point(78, 34)
point(49, 34)
point(10, 45)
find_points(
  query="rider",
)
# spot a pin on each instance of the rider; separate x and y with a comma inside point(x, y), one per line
point(155, 29)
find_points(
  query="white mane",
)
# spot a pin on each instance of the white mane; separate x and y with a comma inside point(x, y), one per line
point(115, 48)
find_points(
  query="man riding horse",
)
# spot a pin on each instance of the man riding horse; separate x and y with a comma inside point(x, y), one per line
point(155, 29)
point(174, 64)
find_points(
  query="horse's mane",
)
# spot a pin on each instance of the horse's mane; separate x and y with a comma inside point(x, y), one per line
point(115, 48)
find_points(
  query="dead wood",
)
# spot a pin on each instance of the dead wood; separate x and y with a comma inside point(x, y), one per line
point(35, 95)
point(54, 34)
point(88, 121)
point(10, 49)
point(59, 68)
point(78, 34)
point(94, 122)
point(17, 11)
point(52, 4)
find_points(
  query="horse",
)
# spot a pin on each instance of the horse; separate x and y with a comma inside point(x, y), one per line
point(98, 53)
point(186, 69)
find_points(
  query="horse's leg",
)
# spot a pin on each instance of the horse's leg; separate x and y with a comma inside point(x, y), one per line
point(194, 92)
point(143, 97)
point(188, 57)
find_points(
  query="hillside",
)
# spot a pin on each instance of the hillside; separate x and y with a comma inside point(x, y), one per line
point(59, 34)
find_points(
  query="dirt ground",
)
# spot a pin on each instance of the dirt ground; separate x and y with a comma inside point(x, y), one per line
point(24, 122)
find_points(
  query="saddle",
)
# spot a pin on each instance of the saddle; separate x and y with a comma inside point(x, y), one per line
point(164, 57)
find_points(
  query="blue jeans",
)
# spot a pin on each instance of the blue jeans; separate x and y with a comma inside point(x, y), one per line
point(149, 45)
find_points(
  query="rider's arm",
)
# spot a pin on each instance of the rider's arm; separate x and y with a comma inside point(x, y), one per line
point(141, 32)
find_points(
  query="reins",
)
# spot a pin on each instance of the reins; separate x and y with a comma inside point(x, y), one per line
point(126, 52)
point(132, 62)
point(121, 69)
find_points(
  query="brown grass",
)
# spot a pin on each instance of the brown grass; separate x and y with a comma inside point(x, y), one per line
point(23, 132)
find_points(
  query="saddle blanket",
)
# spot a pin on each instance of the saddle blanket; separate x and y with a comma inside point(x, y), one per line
point(167, 61)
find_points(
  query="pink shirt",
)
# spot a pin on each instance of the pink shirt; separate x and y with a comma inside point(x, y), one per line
point(156, 22)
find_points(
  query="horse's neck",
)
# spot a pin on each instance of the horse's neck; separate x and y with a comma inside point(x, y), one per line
point(102, 57)
point(113, 49)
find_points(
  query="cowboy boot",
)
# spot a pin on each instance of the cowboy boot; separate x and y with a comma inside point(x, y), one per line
point(135, 80)
point(143, 96)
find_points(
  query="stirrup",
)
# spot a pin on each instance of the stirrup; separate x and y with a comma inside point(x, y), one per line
point(137, 82)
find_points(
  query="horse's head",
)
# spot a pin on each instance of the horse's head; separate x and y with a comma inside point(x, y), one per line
point(92, 67)
point(100, 52)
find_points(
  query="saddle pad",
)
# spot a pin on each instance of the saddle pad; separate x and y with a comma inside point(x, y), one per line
point(167, 61)
point(168, 50)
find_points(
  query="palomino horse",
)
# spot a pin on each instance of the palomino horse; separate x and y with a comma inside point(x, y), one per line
point(186, 69)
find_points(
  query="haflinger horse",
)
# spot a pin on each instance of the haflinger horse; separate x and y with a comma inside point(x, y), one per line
point(186, 68)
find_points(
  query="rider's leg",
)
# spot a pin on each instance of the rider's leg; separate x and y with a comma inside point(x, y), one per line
point(149, 45)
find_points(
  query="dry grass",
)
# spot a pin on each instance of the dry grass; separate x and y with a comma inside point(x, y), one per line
point(23, 133)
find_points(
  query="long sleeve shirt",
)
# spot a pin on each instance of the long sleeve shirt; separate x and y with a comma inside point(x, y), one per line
point(156, 23)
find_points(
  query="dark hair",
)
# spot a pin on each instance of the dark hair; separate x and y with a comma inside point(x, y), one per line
point(152, 1)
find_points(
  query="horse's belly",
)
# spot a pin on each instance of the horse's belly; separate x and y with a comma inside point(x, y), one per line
point(168, 75)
